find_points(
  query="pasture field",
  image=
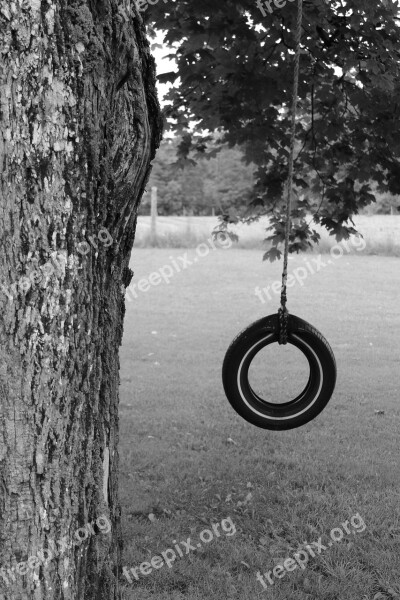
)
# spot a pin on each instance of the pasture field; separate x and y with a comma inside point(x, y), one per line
point(188, 462)
point(381, 233)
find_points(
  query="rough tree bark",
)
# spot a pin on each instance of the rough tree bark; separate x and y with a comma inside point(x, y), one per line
point(79, 125)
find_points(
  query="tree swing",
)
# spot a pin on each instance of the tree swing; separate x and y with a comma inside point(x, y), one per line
point(282, 328)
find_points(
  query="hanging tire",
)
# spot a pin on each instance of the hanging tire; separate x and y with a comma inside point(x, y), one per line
point(307, 405)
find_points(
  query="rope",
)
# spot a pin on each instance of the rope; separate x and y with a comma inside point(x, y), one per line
point(283, 312)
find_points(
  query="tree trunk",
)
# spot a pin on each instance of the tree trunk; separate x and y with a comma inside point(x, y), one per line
point(79, 125)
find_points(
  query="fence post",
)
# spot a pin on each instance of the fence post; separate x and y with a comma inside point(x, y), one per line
point(153, 213)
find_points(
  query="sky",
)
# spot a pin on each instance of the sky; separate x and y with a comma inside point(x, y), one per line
point(164, 65)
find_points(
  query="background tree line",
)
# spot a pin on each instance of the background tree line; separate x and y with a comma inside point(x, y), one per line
point(211, 186)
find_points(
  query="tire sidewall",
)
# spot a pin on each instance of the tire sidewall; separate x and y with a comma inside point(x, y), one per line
point(286, 416)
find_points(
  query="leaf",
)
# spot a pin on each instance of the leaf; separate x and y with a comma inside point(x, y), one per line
point(272, 254)
point(248, 498)
point(169, 77)
point(231, 441)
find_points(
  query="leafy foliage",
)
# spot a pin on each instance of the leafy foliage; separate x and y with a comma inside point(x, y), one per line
point(234, 79)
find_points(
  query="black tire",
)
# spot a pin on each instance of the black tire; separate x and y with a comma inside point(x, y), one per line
point(312, 399)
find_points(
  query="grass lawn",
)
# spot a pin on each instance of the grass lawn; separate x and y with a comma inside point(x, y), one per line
point(188, 461)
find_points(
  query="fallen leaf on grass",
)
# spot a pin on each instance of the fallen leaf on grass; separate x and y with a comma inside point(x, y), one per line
point(246, 500)
point(231, 441)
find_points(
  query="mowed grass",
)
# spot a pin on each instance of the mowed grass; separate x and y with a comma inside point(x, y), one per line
point(188, 460)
